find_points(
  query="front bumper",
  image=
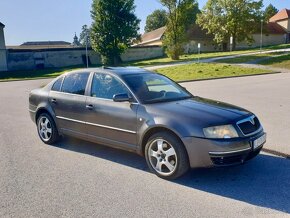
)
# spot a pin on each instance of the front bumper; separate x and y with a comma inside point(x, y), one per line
point(221, 152)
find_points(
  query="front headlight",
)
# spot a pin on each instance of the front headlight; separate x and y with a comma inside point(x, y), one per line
point(218, 132)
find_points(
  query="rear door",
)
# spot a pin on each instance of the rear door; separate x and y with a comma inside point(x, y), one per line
point(69, 103)
point(110, 122)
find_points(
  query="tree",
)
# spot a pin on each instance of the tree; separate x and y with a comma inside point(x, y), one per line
point(231, 18)
point(156, 20)
point(269, 12)
point(114, 28)
point(181, 14)
point(85, 36)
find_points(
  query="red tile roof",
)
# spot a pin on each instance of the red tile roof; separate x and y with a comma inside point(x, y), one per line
point(281, 15)
point(195, 32)
point(152, 36)
point(274, 28)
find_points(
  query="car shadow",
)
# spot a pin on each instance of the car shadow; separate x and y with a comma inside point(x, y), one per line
point(263, 181)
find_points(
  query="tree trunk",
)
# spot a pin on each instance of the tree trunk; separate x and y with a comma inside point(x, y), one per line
point(234, 43)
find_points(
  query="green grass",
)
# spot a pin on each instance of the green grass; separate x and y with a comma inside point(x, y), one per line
point(281, 61)
point(203, 55)
point(198, 71)
point(189, 57)
point(273, 47)
point(249, 58)
point(244, 59)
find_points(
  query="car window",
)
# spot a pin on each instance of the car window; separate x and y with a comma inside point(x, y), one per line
point(106, 86)
point(75, 83)
point(56, 86)
point(154, 88)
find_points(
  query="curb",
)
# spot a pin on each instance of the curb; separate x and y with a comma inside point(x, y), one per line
point(228, 77)
point(277, 153)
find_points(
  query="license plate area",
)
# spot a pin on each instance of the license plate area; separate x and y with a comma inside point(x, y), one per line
point(259, 142)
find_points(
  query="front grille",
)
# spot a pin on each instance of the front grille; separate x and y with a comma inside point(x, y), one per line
point(249, 125)
point(238, 159)
point(235, 159)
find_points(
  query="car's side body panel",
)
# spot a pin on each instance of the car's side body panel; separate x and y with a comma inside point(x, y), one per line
point(113, 122)
point(69, 110)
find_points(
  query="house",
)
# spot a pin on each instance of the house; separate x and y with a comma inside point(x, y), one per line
point(282, 18)
point(275, 32)
point(152, 38)
point(195, 35)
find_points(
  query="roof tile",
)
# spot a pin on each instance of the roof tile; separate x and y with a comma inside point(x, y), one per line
point(281, 15)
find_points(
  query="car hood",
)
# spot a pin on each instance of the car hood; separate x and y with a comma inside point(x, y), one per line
point(203, 112)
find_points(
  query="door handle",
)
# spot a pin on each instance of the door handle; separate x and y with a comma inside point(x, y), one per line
point(53, 101)
point(89, 107)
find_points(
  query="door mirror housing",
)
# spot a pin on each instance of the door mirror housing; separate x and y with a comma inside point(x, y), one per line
point(122, 97)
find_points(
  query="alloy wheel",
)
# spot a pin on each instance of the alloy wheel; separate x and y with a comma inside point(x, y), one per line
point(44, 128)
point(162, 157)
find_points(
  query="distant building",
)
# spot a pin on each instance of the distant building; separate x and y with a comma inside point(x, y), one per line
point(3, 55)
point(76, 41)
point(44, 44)
point(277, 31)
point(282, 18)
point(152, 38)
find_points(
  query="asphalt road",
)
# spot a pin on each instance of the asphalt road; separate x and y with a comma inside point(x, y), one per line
point(79, 179)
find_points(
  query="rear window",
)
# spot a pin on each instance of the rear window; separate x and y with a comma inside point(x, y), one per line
point(75, 83)
point(56, 86)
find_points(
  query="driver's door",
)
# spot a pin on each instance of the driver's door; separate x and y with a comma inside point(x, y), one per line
point(110, 122)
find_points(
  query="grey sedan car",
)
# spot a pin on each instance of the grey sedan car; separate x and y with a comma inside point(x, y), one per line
point(147, 113)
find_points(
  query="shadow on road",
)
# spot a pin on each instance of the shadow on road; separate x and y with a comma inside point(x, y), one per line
point(263, 181)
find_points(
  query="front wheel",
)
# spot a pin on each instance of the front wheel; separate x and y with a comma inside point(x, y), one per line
point(46, 129)
point(166, 156)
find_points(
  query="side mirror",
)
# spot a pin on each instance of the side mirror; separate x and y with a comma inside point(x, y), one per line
point(122, 97)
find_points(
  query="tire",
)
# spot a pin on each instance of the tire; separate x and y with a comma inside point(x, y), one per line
point(47, 130)
point(166, 156)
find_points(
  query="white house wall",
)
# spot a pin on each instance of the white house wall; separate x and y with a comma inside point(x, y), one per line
point(269, 39)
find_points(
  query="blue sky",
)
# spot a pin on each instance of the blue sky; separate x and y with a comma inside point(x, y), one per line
point(35, 20)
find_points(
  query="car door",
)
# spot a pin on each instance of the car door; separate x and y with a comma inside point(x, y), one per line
point(69, 103)
point(110, 122)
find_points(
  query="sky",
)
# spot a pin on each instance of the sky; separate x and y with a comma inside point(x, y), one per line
point(40, 20)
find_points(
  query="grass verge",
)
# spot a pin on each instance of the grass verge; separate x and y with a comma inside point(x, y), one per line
point(189, 57)
point(281, 61)
point(244, 59)
point(199, 71)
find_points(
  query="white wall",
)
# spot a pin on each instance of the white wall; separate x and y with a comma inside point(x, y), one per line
point(269, 39)
point(20, 59)
point(3, 62)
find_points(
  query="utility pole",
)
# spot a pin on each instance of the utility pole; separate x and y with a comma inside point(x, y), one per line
point(198, 47)
point(87, 57)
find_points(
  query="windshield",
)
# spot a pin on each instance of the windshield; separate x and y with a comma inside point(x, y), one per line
point(152, 88)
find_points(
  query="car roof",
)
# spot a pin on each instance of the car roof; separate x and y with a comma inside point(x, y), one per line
point(119, 71)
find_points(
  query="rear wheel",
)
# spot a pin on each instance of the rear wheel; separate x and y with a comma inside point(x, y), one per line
point(166, 156)
point(46, 129)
